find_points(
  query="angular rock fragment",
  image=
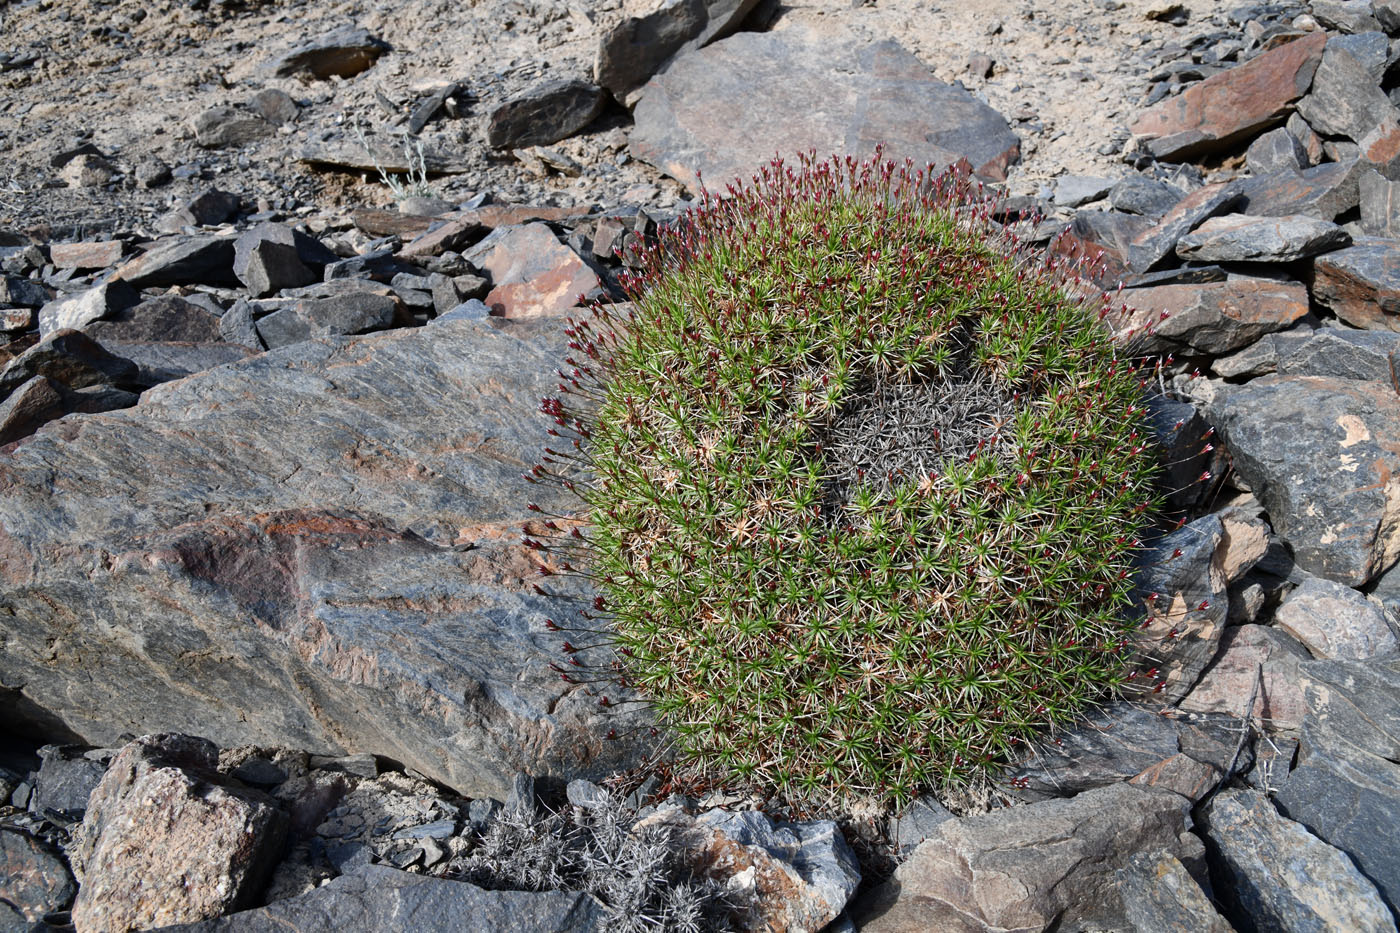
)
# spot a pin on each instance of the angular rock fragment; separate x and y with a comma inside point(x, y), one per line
point(1346, 786)
point(797, 876)
point(637, 47)
point(1214, 318)
point(1277, 875)
point(1154, 244)
point(1323, 191)
point(1074, 190)
point(90, 255)
point(68, 357)
point(275, 106)
point(1276, 151)
point(543, 114)
point(1242, 238)
point(1380, 204)
point(205, 259)
point(33, 878)
point(207, 208)
point(267, 259)
point(1138, 194)
point(1122, 742)
point(1341, 353)
point(1160, 896)
point(1030, 868)
point(1335, 621)
point(724, 110)
point(1227, 684)
point(30, 406)
point(163, 318)
point(82, 308)
point(16, 290)
point(1328, 481)
point(532, 274)
point(343, 52)
point(1215, 113)
point(1361, 284)
point(1346, 98)
point(225, 126)
point(166, 840)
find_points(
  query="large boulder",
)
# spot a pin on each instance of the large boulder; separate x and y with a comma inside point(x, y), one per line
point(723, 110)
point(318, 548)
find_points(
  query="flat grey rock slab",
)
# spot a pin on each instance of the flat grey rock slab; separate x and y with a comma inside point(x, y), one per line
point(377, 898)
point(1032, 867)
point(1242, 238)
point(319, 547)
point(1278, 876)
point(1320, 455)
point(725, 110)
point(1324, 191)
point(1160, 896)
point(1336, 621)
point(1346, 786)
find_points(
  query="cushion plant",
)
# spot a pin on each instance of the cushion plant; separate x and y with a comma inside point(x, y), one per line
point(864, 480)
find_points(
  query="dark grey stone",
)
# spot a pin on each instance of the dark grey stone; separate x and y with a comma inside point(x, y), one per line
point(1121, 742)
point(1138, 194)
point(1186, 602)
point(919, 821)
point(545, 113)
point(70, 358)
point(1183, 275)
point(1160, 896)
point(17, 290)
point(246, 528)
point(1243, 238)
point(377, 898)
point(482, 812)
point(225, 126)
point(1347, 16)
point(282, 328)
point(639, 46)
point(192, 260)
point(275, 106)
point(159, 319)
point(1314, 450)
point(521, 798)
point(1183, 435)
point(1275, 875)
point(65, 781)
point(1276, 151)
point(353, 313)
point(1341, 353)
point(169, 360)
point(1323, 191)
point(724, 110)
point(473, 309)
point(1346, 98)
point(1346, 786)
point(207, 208)
point(1361, 284)
point(266, 260)
point(1380, 204)
point(1156, 243)
point(34, 880)
point(438, 829)
point(236, 326)
point(1074, 190)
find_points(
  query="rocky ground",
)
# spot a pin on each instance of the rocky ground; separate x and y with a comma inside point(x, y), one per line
point(272, 653)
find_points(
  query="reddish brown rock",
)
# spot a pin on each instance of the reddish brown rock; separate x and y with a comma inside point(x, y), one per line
point(98, 255)
point(1381, 149)
point(1227, 107)
point(1361, 284)
point(532, 273)
point(165, 840)
point(1213, 318)
point(1226, 685)
point(452, 235)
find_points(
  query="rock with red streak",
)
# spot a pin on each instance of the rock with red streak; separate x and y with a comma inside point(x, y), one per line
point(1380, 148)
point(532, 274)
point(1228, 107)
point(167, 840)
point(92, 255)
point(724, 110)
point(1361, 284)
point(1212, 318)
point(1226, 685)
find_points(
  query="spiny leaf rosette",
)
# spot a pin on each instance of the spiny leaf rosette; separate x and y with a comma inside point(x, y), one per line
point(866, 479)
